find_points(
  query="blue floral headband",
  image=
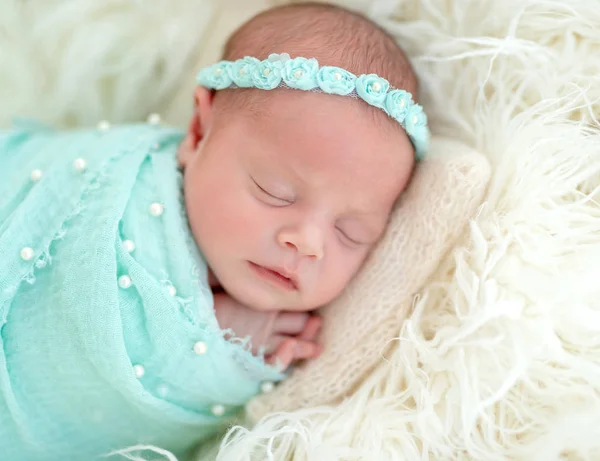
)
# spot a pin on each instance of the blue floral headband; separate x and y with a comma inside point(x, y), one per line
point(280, 70)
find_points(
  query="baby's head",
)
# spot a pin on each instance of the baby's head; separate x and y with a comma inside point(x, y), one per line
point(287, 191)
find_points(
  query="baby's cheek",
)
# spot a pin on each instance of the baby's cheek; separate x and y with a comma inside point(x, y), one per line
point(207, 208)
point(338, 269)
point(240, 211)
point(236, 218)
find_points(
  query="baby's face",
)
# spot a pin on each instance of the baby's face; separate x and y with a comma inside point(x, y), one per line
point(286, 204)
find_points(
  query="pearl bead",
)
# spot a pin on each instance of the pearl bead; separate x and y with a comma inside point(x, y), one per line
point(27, 254)
point(402, 103)
point(200, 348)
point(154, 119)
point(139, 371)
point(415, 119)
point(104, 125)
point(218, 71)
point(218, 410)
point(242, 72)
point(267, 387)
point(125, 281)
point(156, 146)
point(337, 76)
point(376, 87)
point(128, 246)
point(266, 72)
point(172, 290)
point(299, 73)
point(80, 165)
point(36, 175)
point(157, 209)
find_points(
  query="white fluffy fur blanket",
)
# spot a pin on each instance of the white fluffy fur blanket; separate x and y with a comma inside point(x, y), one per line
point(500, 358)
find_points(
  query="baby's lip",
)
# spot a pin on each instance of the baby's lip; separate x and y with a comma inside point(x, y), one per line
point(287, 274)
point(291, 276)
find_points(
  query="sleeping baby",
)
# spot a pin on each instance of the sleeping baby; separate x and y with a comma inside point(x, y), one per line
point(152, 281)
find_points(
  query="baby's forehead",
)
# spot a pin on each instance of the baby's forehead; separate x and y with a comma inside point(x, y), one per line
point(325, 138)
point(305, 109)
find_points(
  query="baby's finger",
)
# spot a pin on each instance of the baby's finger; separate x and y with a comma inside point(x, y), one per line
point(274, 343)
point(284, 355)
point(290, 323)
point(311, 329)
point(292, 350)
point(307, 350)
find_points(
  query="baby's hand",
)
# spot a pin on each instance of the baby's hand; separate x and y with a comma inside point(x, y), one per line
point(286, 337)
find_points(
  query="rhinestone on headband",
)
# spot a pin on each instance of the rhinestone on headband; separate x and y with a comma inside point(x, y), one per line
point(280, 70)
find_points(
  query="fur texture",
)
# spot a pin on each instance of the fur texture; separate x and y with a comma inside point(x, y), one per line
point(75, 62)
point(500, 358)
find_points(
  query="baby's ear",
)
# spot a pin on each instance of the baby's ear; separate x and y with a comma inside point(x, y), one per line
point(198, 125)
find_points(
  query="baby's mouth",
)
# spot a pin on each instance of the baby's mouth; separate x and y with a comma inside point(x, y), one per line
point(276, 276)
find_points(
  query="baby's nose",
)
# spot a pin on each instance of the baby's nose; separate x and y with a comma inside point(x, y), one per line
point(307, 241)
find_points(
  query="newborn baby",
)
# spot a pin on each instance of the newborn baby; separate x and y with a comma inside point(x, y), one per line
point(153, 281)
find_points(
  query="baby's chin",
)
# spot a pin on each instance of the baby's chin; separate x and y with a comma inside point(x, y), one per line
point(266, 300)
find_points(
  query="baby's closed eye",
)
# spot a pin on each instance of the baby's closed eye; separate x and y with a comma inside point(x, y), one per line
point(357, 232)
point(349, 238)
point(271, 196)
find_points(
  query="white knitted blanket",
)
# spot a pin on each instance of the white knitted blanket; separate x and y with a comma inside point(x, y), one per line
point(500, 356)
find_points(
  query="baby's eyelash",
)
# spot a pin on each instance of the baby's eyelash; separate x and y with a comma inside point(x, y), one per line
point(345, 236)
point(264, 191)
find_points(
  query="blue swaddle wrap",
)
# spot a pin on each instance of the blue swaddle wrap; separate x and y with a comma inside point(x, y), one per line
point(105, 345)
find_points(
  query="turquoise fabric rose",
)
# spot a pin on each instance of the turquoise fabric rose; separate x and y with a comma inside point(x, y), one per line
point(415, 124)
point(266, 75)
point(415, 118)
point(372, 89)
point(301, 73)
point(241, 71)
point(216, 76)
point(334, 80)
point(279, 59)
point(397, 103)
